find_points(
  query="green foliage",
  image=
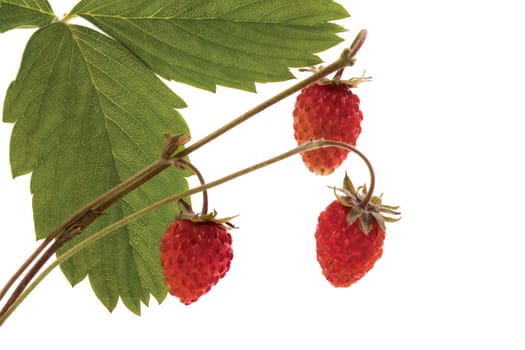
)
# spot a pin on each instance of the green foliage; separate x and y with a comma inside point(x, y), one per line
point(231, 43)
point(24, 13)
point(88, 115)
point(89, 110)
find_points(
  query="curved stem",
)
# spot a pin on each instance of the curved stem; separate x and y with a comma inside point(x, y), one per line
point(202, 182)
point(364, 202)
point(307, 146)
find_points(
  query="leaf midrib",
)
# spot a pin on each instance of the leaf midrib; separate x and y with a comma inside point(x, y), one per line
point(196, 19)
point(99, 92)
point(102, 268)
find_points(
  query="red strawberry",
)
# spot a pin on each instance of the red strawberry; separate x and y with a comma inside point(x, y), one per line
point(344, 252)
point(329, 111)
point(194, 256)
point(350, 238)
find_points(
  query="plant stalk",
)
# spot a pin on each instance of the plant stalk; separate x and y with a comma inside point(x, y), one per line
point(307, 146)
point(196, 171)
point(345, 59)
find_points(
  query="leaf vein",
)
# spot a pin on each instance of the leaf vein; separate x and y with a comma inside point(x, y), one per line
point(28, 6)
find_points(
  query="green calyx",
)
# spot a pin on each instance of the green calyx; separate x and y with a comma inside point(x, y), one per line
point(350, 83)
point(365, 207)
point(336, 79)
point(188, 214)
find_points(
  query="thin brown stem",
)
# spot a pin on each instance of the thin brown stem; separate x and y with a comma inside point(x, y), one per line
point(24, 266)
point(307, 146)
point(68, 234)
point(201, 181)
point(354, 48)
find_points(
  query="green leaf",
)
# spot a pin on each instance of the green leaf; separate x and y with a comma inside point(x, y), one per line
point(24, 13)
point(232, 43)
point(88, 114)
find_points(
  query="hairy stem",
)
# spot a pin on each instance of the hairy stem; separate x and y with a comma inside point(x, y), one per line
point(307, 146)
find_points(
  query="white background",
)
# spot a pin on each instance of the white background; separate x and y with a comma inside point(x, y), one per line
point(443, 128)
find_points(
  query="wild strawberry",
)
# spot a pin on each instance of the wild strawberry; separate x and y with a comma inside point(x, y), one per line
point(350, 235)
point(194, 256)
point(330, 111)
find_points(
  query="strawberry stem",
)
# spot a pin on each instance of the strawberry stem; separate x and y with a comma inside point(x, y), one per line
point(354, 49)
point(201, 180)
point(307, 146)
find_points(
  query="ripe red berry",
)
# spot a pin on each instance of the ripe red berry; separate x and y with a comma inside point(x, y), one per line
point(194, 256)
point(344, 251)
point(327, 111)
point(350, 234)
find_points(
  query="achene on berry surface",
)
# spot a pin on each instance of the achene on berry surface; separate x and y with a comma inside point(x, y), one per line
point(327, 111)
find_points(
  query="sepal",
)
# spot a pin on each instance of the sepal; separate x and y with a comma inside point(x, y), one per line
point(364, 208)
point(188, 214)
